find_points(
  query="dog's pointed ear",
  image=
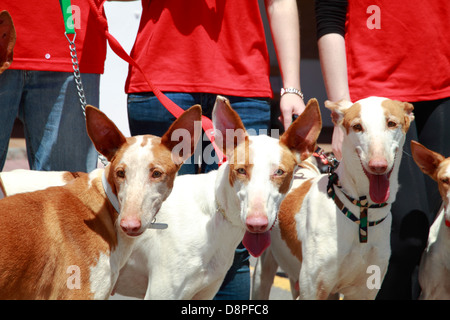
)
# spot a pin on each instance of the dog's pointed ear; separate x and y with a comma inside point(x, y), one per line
point(104, 134)
point(184, 134)
point(428, 161)
point(302, 134)
point(337, 110)
point(7, 40)
point(229, 131)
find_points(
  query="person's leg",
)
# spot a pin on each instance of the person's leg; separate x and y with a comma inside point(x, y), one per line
point(146, 115)
point(417, 201)
point(55, 126)
point(11, 84)
point(435, 135)
point(255, 115)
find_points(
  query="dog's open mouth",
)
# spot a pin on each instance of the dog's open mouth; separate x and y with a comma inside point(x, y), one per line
point(379, 186)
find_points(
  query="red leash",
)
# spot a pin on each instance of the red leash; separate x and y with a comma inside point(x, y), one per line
point(173, 108)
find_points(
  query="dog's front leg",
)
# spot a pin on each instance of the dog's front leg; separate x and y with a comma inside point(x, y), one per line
point(263, 275)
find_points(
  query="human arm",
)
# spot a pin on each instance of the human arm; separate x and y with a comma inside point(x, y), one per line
point(285, 29)
point(330, 17)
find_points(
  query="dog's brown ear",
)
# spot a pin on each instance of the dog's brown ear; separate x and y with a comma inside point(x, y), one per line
point(184, 134)
point(229, 131)
point(104, 134)
point(7, 40)
point(428, 161)
point(302, 134)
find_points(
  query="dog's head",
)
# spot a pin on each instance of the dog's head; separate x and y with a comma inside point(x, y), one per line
point(142, 168)
point(260, 168)
point(374, 130)
point(438, 168)
point(7, 40)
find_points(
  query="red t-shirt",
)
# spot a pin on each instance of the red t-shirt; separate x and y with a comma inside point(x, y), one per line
point(407, 58)
point(41, 44)
point(212, 46)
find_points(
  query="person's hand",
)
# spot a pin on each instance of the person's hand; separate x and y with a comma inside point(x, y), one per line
point(290, 104)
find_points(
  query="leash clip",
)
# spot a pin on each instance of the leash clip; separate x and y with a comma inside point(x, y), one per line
point(329, 161)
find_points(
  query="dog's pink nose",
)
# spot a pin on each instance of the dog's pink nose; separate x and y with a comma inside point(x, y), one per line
point(378, 165)
point(257, 223)
point(130, 225)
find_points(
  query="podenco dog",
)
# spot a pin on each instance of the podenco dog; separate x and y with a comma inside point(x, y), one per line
point(69, 242)
point(7, 40)
point(434, 270)
point(209, 214)
point(334, 230)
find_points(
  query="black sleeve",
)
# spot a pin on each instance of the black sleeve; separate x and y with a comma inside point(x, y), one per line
point(330, 16)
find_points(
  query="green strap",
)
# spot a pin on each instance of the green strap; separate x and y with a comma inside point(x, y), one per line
point(67, 15)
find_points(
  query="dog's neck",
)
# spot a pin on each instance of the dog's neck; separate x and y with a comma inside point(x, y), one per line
point(225, 199)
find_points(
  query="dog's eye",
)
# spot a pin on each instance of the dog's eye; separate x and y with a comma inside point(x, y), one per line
point(357, 127)
point(279, 172)
point(156, 174)
point(120, 173)
point(241, 171)
point(445, 180)
point(392, 124)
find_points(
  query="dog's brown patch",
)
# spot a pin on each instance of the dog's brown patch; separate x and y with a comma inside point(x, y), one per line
point(69, 176)
point(164, 159)
point(350, 114)
point(240, 159)
point(288, 163)
point(400, 111)
point(65, 226)
point(289, 208)
point(7, 40)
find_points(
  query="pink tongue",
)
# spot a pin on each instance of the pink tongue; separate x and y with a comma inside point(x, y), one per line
point(379, 187)
point(256, 243)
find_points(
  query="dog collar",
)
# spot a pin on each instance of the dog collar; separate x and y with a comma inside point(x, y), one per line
point(362, 203)
point(115, 203)
point(110, 194)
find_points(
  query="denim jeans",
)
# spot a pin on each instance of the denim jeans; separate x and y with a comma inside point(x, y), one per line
point(146, 115)
point(48, 105)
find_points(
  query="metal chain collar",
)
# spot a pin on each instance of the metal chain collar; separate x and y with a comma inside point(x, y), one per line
point(79, 83)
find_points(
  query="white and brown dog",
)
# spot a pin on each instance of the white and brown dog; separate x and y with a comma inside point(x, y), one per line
point(434, 271)
point(209, 214)
point(7, 40)
point(334, 230)
point(69, 242)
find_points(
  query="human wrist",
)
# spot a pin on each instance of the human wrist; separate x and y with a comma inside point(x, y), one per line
point(291, 90)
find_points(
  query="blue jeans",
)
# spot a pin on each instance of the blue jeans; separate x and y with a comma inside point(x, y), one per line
point(146, 115)
point(55, 129)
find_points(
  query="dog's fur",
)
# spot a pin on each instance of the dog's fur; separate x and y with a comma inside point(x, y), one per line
point(72, 232)
point(434, 271)
point(7, 40)
point(314, 242)
point(209, 214)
